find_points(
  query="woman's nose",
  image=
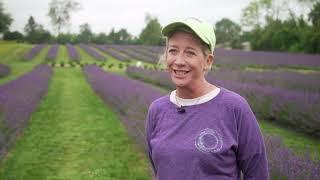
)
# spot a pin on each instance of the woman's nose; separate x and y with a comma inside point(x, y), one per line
point(179, 59)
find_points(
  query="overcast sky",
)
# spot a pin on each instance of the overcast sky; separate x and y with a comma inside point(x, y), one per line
point(129, 14)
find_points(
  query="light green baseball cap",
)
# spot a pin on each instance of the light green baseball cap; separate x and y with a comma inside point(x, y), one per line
point(201, 28)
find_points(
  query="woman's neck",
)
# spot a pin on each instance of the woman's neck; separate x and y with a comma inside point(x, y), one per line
point(195, 91)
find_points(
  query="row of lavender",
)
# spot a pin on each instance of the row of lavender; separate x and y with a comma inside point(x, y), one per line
point(18, 99)
point(273, 59)
point(131, 98)
point(35, 50)
point(90, 50)
point(52, 52)
point(308, 83)
point(136, 52)
point(235, 58)
point(294, 108)
point(223, 57)
point(73, 53)
point(113, 53)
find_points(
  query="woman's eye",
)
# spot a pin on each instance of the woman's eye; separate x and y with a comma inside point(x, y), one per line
point(190, 53)
point(173, 51)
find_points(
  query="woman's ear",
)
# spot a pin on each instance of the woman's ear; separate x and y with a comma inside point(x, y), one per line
point(209, 62)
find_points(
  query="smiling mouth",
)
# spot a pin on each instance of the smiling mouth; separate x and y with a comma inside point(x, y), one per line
point(180, 72)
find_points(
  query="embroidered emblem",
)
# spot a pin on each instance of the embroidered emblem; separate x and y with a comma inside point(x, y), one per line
point(208, 141)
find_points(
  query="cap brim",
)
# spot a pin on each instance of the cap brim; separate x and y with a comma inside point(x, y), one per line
point(201, 29)
point(167, 30)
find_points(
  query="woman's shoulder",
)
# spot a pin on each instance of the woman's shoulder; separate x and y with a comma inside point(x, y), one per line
point(162, 101)
point(232, 99)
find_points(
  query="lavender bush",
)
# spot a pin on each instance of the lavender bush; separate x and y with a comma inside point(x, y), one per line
point(73, 53)
point(283, 79)
point(285, 164)
point(237, 57)
point(227, 58)
point(18, 99)
point(113, 53)
point(154, 49)
point(34, 51)
point(130, 98)
point(133, 54)
point(294, 108)
point(138, 49)
point(52, 52)
point(92, 52)
point(4, 70)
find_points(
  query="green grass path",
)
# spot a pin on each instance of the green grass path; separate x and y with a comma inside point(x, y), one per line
point(73, 135)
point(13, 58)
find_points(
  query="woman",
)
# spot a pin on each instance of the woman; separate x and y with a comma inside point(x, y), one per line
point(201, 131)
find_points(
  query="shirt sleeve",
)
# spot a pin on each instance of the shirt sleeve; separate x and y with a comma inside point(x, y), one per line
point(149, 127)
point(251, 153)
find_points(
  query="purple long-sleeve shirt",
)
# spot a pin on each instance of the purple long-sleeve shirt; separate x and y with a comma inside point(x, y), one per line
point(213, 140)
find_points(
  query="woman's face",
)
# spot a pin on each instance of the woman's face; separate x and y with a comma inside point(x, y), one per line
point(185, 59)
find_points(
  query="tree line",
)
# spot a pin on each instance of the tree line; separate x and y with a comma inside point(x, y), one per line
point(263, 25)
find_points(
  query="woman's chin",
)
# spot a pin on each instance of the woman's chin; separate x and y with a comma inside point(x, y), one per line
point(179, 82)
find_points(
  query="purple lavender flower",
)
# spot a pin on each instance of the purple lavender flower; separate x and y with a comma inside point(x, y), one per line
point(154, 49)
point(283, 79)
point(238, 57)
point(128, 50)
point(73, 53)
point(92, 52)
point(18, 99)
point(113, 53)
point(130, 98)
point(283, 163)
point(53, 52)
point(34, 51)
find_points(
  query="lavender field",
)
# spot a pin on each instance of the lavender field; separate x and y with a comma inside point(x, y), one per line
point(289, 107)
point(90, 91)
point(132, 100)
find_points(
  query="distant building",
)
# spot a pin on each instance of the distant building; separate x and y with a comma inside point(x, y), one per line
point(246, 46)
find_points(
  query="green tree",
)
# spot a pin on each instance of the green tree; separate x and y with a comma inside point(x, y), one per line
point(293, 33)
point(35, 33)
point(228, 31)
point(15, 35)
point(5, 19)
point(31, 29)
point(120, 37)
point(124, 36)
point(101, 38)
point(314, 15)
point(65, 38)
point(312, 44)
point(113, 36)
point(258, 11)
point(86, 34)
point(151, 34)
point(60, 12)
point(31, 26)
point(250, 15)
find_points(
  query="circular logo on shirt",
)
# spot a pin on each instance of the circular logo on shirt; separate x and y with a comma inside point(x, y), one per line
point(208, 141)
